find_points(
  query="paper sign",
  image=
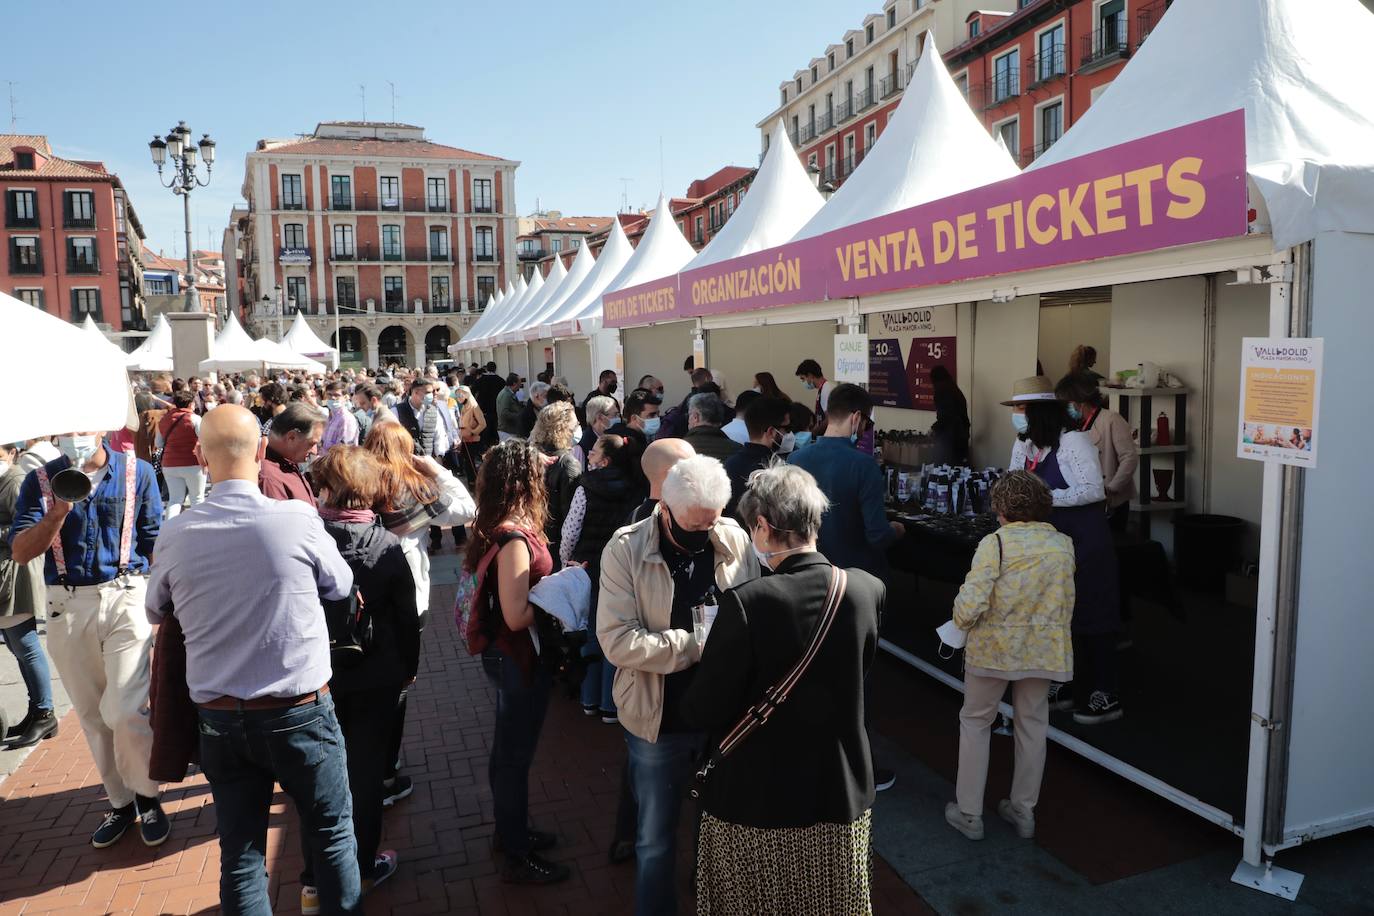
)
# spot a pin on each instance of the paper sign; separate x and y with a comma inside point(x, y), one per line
point(912, 342)
point(698, 352)
point(1280, 392)
point(851, 359)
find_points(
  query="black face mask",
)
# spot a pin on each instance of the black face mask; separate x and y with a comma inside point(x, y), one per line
point(611, 388)
point(691, 541)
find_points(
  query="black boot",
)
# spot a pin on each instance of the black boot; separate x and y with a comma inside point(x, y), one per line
point(37, 725)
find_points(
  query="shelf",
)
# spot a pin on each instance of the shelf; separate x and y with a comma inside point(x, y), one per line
point(1170, 506)
point(1162, 449)
point(1143, 392)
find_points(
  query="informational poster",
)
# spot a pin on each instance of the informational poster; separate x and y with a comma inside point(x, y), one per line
point(1280, 393)
point(698, 352)
point(903, 347)
point(851, 359)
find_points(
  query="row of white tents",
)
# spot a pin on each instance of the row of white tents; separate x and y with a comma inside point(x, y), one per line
point(233, 350)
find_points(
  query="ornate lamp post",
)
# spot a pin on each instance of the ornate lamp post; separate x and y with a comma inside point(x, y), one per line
point(184, 152)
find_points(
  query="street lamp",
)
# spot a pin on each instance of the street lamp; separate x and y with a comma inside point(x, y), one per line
point(184, 180)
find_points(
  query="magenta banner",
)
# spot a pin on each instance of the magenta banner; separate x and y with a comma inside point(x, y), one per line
point(1179, 187)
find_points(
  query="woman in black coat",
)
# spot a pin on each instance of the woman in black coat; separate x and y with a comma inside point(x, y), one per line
point(786, 816)
point(555, 431)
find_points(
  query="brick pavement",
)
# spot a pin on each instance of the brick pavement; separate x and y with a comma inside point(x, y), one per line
point(50, 805)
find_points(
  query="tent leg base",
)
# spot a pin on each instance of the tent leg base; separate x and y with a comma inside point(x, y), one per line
point(1278, 882)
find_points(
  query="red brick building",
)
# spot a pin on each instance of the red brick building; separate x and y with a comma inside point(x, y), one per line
point(73, 243)
point(552, 233)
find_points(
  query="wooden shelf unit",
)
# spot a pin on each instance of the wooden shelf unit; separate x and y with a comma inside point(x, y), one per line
point(1144, 506)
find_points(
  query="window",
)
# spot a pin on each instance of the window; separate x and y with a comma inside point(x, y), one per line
point(829, 109)
point(346, 292)
point(868, 34)
point(483, 244)
point(1006, 80)
point(848, 164)
point(33, 297)
point(85, 302)
point(557, 245)
point(870, 135)
point(974, 27)
point(79, 209)
point(1111, 18)
point(575, 243)
point(486, 288)
point(25, 255)
point(1010, 132)
point(295, 289)
point(1050, 58)
point(1022, 4)
point(799, 85)
point(730, 198)
point(21, 209)
point(481, 195)
point(341, 192)
point(391, 243)
point(961, 83)
point(23, 161)
point(796, 127)
point(390, 187)
point(438, 243)
point(343, 241)
point(783, 93)
point(393, 293)
point(436, 194)
point(814, 75)
point(830, 59)
point(848, 48)
point(291, 196)
point(440, 295)
point(811, 119)
point(891, 16)
point(157, 286)
point(81, 256)
point(1051, 125)
point(293, 235)
point(849, 96)
point(739, 197)
point(699, 226)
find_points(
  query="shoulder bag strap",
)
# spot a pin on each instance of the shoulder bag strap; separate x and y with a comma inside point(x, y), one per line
point(775, 696)
point(58, 558)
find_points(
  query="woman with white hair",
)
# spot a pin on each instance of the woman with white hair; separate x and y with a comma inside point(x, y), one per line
point(657, 577)
point(793, 838)
point(603, 412)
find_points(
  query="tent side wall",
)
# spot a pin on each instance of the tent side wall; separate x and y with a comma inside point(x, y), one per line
point(775, 348)
point(573, 361)
point(659, 350)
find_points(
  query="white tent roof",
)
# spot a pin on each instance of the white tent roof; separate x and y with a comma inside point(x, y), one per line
point(614, 254)
point(1295, 66)
point(233, 350)
point(473, 338)
point(662, 251)
point(582, 265)
point(514, 311)
point(276, 355)
point(780, 201)
point(301, 339)
point(37, 346)
point(534, 304)
point(508, 310)
point(933, 146)
point(90, 327)
point(155, 353)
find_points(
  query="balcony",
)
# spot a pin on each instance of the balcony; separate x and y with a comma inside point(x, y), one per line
point(78, 222)
point(82, 265)
point(864, 101)
point(441, 306)
point(890, 85)
point(531, 254)
point(1003, 87)
point(484, 256)
point(440, 256)
point(341, 203)
point(825, 122)
point(1148, 18)
point(13, 221)
point(20, 267)
point(482, 206)
point(1042, 68)
point(370, 254)
point(294, 203)
point(848, 164)
point(436, 206)
point(827, 173)
point(844, 111)
point(1105, 46)
point(293, 254)
point(806, 133)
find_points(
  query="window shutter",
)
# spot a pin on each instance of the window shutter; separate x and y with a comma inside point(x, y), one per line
point(67, 205)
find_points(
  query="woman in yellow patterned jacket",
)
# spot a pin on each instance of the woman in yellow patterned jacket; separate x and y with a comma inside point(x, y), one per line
point(1015, 605)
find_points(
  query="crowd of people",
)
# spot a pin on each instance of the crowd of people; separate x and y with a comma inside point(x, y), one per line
point(728, 555)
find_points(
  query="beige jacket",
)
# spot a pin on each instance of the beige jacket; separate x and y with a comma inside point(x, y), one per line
point(471, 421)
point(635, 611)
point(1117, 451)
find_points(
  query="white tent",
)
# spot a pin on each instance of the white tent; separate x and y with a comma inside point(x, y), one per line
point(1295, 66)
point(476, 337)
point(933, 146)
point(614, 254)
point(277, 355)
point(781, 200)
point(234, 351)
point(91, 328)
point(512, 311)
point(155, 353)
point(514, 331)
point(38, 347)
point(302, 340)
point(492, 304)
point(662, 251)
point(582, 265)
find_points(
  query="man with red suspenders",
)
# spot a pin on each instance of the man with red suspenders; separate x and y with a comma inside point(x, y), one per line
point(98, 552)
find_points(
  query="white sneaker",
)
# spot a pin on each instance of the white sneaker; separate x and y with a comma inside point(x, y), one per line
point(1023, 821)
point(970, 825)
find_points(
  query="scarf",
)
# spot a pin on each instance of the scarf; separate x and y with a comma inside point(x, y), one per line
point(347, 516)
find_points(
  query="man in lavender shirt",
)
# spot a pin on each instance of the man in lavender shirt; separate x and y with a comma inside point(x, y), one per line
point(257, 664)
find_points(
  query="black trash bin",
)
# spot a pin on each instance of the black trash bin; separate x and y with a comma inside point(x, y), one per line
point(1206, 548)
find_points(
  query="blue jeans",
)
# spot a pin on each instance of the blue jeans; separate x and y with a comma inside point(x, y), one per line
point(659, 774)
point(33, 663)
point(243, 754)
point(596, 685)
point(520, 706)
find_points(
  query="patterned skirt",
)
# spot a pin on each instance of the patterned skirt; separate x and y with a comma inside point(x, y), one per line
point(824, 869)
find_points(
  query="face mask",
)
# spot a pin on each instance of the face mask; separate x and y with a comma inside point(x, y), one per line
point(802, 438)
point(1075, 412)
point(651, 427)
point(1020, 423)
point(4, 468)
point(690, 541)
point(333, 403)
point(810, 385)
point(78, 449)
point(756, 389)
point(765, 557)
point(429, 399)
point(611, 388)
point(789, 443)
point(521, 396)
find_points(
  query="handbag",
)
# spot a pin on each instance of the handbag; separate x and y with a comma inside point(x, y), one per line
point(757, 715)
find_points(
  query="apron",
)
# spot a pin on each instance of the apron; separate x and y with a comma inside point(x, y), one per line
point(1097, 601)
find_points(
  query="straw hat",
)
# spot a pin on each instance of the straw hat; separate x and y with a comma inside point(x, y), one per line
point(1034, 388)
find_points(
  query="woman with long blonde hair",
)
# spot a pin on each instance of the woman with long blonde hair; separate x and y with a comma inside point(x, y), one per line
point(555, 431)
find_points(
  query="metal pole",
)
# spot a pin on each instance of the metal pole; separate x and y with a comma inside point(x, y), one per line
point(192, 305)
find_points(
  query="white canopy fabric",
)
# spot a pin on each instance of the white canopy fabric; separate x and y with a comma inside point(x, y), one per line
point(476, 337)
point(582, 265)
point(459, 346)
point(39, 347)
point(233, 350)
point(933, 146)
point(513, 311)
point(301, 339)
point(662, 251)
point(557, 275)
point(155, 353)
point(91, 328)
point(781, 199)
point(279, 356)
point(587, 296)
point(1295, 66)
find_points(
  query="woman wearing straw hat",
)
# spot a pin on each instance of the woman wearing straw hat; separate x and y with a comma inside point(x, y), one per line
point(1048, 446)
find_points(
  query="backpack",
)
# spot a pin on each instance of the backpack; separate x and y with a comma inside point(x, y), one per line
point(350, 629)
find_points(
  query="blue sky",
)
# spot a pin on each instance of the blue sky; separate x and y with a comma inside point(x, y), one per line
point(579, 93)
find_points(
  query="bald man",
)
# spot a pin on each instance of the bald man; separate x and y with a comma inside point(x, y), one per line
point(657, 461)
point(244, 575)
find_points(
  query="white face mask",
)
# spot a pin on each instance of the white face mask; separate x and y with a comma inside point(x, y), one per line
point(789, 443)
point(78, 449)
point(4, 467)
point(651, 426)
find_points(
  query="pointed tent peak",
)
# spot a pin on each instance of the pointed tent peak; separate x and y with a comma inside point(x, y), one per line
point(586, 297)
point(583, 264)
point(232, 332)
point(508, 291)
point(89, 324)
point(933, 146)
point(662, 250)
point(1294, 66)
point(298, 323)
point(781, 199)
